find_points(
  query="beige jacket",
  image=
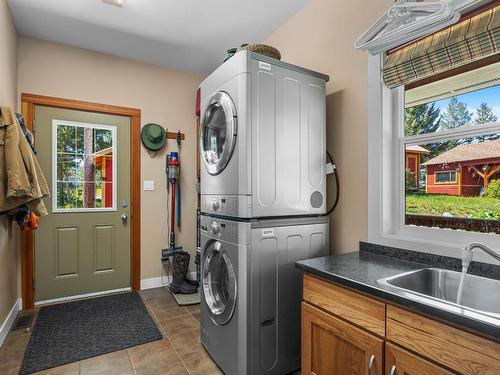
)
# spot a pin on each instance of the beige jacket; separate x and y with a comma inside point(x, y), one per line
point(21, 178)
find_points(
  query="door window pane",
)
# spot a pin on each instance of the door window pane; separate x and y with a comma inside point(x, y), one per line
point(84, 165)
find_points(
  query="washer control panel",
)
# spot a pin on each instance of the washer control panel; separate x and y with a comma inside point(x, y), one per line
point(218, 228)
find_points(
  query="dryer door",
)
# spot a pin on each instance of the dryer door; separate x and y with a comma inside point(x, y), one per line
point(219, 283)
point(218, 133)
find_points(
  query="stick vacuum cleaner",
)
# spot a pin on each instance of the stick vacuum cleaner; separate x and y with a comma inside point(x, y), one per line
point(180, 264)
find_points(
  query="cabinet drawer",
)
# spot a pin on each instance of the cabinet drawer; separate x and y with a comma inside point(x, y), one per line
point(333, 346)
point(400, 362)
point(354, 307)
point(456, 349)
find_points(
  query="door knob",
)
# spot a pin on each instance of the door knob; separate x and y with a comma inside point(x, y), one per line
point(124, 218)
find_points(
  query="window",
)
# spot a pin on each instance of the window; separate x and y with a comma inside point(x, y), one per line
point(445, 177)
point(84, 167)
point(456, 122)
point(434, 166)
point(406, 207)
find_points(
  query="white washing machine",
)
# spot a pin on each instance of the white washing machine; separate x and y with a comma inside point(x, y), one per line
point(263, 139)
point(251, 290)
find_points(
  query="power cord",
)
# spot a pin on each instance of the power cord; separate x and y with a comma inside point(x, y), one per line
point(337, 185)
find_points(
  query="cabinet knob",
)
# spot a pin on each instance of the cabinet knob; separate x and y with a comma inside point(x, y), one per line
point(370, 364)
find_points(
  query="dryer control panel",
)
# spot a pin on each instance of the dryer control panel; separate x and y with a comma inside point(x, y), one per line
point(226, 205)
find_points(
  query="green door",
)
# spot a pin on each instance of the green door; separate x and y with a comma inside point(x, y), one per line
point(83, 245)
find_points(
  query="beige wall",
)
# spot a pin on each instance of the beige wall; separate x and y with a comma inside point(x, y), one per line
point(321, 37)
point(164, 96)
point(9, 236)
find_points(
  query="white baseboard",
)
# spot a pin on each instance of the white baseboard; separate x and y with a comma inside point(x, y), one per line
point(9, 321)
point(157, 282)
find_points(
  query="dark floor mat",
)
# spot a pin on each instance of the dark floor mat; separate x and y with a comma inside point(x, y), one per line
point(74, 331)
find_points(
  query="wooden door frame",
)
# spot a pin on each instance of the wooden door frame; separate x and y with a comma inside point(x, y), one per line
point(28, 103)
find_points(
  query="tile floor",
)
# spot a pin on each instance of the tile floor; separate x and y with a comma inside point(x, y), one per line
point(179, 352)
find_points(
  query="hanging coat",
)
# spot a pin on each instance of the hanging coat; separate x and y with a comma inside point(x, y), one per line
point(21, 178)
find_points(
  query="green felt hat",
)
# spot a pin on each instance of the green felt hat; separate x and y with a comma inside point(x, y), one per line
point(153, 136)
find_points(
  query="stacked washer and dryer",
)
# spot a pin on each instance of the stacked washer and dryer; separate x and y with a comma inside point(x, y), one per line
point(263, 186)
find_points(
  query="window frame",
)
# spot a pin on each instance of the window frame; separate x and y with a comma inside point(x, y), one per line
point(386, 182)
point(114, 137)
point(448, 182)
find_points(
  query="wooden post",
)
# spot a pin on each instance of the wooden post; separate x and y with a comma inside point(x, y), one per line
point(459, 179)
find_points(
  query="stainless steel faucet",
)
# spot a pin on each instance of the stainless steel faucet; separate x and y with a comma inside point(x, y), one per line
point(467, 253)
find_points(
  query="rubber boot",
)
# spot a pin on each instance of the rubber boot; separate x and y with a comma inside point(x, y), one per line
point(180, 267)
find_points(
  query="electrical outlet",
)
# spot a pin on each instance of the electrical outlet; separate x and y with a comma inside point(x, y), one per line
point(330, 168)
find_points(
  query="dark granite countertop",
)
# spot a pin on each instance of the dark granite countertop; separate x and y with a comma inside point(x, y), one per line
point(361, 270)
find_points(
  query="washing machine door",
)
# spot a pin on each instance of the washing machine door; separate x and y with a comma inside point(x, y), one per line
point(219, 283)
point(218, 133)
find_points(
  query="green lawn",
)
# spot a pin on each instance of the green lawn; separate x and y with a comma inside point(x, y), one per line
point(436, 205)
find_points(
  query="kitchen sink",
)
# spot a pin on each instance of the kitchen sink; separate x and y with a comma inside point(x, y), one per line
point(480, 294)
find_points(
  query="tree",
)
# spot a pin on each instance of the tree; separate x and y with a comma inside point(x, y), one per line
point(88, 184)
point(421, 119)
point(485, 115)
point(68, 170)
point(456, 115)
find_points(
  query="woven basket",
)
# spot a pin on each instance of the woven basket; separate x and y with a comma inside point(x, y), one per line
point(263, 50)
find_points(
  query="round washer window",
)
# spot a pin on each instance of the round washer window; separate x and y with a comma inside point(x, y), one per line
point(219, 283)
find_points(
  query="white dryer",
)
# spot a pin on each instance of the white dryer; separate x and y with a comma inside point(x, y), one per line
point(263, 139)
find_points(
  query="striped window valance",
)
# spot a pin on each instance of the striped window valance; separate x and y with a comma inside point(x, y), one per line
point(467, 41)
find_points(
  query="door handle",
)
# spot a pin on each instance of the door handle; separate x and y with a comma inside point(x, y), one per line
point(393, 370)
point(124, 218)
point(370, 364)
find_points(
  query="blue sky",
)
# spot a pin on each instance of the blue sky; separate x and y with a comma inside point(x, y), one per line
point(490, 95)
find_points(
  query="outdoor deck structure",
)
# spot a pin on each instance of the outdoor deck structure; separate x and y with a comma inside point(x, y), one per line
point(463, 170)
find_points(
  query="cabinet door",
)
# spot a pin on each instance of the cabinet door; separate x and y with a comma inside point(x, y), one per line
point(331, 346)
point(400, 362)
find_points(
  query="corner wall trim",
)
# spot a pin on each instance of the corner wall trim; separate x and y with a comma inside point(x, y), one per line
point(9, 321)
point(157, 282)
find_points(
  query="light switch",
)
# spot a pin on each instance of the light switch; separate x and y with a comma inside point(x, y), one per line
point(149, 185)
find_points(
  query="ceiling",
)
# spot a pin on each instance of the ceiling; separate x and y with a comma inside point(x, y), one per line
point(188, 35)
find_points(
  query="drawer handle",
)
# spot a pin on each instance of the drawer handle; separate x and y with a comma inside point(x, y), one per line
point(370, 364)
point(393, 370)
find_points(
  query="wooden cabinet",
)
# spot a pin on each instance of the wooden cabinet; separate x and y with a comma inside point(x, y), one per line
point(346, 333)
point(454, 348)
point(400, 362)
point(331, 346)
point(358, 309)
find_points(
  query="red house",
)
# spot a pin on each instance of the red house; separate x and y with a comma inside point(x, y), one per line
point(463, 170)
point(103, 160)
point(413, 155)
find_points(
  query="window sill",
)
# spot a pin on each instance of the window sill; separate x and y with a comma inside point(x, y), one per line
point(436, 241)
